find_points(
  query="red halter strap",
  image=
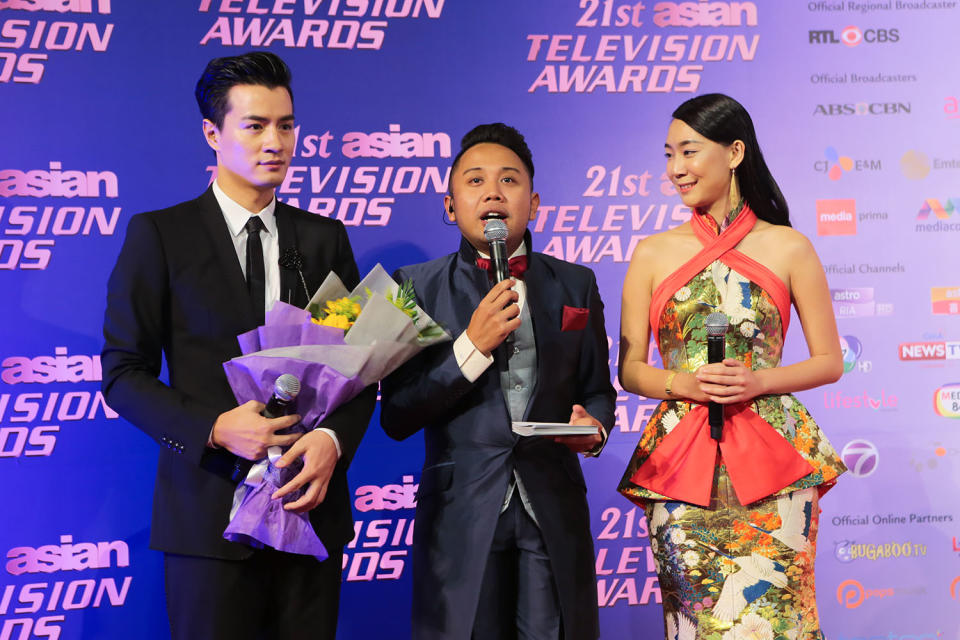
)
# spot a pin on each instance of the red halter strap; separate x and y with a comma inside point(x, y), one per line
point(721, 247)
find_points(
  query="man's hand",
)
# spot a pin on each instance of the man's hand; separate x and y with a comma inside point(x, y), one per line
point(495, 317)
point(244, 432)
point(319, 459)
point(579, 444)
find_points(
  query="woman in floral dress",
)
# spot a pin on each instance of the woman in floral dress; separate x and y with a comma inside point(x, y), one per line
point(732, 523)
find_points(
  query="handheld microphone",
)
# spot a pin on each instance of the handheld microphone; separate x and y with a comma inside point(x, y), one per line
point(285, 391)
point(716, 326)
point(495, 233)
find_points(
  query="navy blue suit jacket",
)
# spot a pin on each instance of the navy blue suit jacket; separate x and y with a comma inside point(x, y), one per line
point(471, 450)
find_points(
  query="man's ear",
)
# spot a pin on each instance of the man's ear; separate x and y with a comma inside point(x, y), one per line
point(211, 134)
point(448, 205)
point(534, 205)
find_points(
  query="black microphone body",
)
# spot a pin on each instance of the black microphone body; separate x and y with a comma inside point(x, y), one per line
point(285, 391)
point(716, 325)
point(495, 234)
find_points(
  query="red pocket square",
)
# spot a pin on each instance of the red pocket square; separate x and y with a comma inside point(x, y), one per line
point(574, 318)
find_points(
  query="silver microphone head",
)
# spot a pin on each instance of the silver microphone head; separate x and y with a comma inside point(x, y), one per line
point(716, 324)
point(286, 387)
point(495, 230)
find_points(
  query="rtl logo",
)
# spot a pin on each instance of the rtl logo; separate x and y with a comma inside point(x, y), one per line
point(852, 36)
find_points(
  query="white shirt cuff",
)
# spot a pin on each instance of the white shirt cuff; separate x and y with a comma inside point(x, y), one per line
point(336, 440)
point(471, 361)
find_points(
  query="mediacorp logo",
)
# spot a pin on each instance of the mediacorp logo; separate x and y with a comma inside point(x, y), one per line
point(941, 210)
point(946, 400)
point(837, 217)
point(853, 35)
point(861, 458)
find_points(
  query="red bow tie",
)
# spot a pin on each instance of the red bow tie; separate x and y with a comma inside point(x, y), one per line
point(517, 264)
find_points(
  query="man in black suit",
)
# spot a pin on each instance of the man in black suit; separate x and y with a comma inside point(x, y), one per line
point(188, 280)
point(502, 545)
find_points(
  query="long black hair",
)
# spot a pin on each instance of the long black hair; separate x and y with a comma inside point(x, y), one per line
point(723, 120)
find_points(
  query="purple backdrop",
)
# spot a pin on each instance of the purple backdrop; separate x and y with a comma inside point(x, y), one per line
point(856, 106)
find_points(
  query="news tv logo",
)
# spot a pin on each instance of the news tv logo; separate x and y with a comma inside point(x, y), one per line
point(853, 36)
point(930, 350)
point(837, 217)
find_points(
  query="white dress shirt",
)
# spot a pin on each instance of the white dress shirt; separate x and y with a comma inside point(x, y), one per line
point(236, 217)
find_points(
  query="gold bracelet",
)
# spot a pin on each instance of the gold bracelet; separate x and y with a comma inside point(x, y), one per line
point(668, 387)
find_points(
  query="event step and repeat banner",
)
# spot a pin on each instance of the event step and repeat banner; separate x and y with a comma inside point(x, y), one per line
point(857, 107)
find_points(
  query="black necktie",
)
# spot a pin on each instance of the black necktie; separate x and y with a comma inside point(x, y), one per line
point(256, 279)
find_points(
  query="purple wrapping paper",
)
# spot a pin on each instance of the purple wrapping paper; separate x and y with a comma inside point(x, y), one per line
point(260, 520)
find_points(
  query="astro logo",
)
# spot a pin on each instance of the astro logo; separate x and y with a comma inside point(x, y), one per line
point(941, 211)
point(852, 349)
point(861, 458)
point(946, 400)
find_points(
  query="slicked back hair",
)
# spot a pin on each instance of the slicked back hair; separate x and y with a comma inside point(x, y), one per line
point(255, 67)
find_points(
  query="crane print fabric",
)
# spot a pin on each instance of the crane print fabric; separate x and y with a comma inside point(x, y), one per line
point(730, 571)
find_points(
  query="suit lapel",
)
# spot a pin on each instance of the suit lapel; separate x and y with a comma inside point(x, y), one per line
point(543, 295)
point(231, 278)
point(291, 287)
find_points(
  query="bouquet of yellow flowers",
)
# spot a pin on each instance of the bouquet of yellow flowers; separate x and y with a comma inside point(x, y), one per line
point(343, 342)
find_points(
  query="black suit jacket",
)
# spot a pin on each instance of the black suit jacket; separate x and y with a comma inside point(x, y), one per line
point(471, 451)
point(177, 291)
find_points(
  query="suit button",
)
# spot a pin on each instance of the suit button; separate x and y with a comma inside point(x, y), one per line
point(518, 387)
point(516, 349)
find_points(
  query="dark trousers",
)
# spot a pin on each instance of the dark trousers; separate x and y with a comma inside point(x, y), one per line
point(518, 598)
point(268, 595)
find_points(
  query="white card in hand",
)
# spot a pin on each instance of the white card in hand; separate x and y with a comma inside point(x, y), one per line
point(553, 429)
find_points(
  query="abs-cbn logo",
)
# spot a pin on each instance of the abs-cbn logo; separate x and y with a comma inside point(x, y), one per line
point(863, 109)
point(852, 36)
point(933, 350)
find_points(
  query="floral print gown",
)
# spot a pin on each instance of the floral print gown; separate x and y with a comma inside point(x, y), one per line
point(732, 533)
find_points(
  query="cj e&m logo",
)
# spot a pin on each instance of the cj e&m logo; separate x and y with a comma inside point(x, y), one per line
point(863, 109)
point(945, 300)
point(836, 165)
point(946, 400)
point(837, 217)
point(853, 36)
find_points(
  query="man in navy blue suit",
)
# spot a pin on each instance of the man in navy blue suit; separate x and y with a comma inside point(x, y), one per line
point(188, 280)
point(502, 544)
